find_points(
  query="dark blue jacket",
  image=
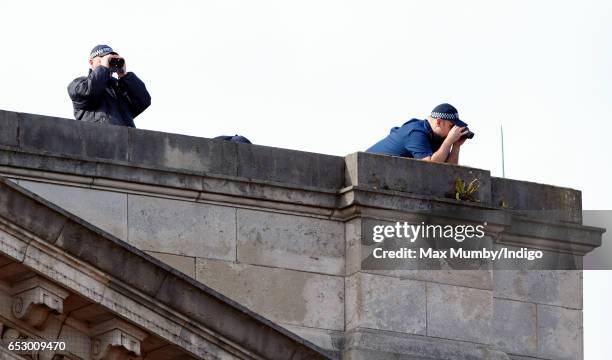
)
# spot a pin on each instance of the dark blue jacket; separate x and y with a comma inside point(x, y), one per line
point(99, 97)
point(414, 139)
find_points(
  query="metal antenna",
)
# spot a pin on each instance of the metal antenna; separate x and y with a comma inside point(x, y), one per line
point(501, 127)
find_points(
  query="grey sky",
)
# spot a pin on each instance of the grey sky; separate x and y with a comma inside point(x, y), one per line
point(335, 76)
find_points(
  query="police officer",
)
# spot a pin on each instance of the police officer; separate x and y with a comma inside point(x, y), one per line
point(438, 138)
point(103, 98)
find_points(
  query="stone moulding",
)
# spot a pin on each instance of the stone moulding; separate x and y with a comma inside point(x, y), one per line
point(116, 339)
point(35, 299)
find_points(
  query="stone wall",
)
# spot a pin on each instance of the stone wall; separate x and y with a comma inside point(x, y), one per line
point(282, 232)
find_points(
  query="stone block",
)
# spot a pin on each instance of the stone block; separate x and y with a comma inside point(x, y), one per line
point(459, 313)
point(61, 167)
point(104, 209)
point(184, 264)
point(18, 206)
point(367, 344)
point(113, 256)
point(412, 176)
point(71, 137)
point(176, 151)
point(290, 166)
point(290, 241)
point(514, 327)
point(542, 201)
point(9, 126)
point(560, 333)
point(182, 227)
point(12, 246)
point(353, 257)
point(284, 296)
point(385, 303)
point(550, 287)
point(141, 175)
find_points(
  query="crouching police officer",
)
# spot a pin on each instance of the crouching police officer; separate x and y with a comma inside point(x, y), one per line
point(100, 97)
point(438, 138)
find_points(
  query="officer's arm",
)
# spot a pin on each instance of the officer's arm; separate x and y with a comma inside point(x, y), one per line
point(85, 91)
point(453, 158)
point(418, 143)
point(441, 155)
point(139, 97)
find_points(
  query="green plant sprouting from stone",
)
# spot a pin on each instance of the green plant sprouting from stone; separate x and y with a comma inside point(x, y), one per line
point(466, 191)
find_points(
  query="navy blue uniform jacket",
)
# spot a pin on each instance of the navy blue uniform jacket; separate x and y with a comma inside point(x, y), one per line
point(99, 97)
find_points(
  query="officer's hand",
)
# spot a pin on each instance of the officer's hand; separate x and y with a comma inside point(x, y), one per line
point(121, 72)
point(455, 134)
point(105, 59)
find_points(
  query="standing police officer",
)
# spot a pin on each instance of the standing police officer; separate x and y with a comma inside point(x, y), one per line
point(100, 97)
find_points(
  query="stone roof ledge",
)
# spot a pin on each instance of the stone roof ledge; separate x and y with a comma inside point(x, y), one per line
point(202, 169)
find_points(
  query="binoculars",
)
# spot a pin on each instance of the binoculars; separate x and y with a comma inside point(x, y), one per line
point(116, 63)
point(467, 135)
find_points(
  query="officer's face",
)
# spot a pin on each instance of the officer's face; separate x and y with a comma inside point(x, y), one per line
point(444, 127)
point(95, 62)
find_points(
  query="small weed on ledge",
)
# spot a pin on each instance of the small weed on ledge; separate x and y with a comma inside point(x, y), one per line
point(465, 191)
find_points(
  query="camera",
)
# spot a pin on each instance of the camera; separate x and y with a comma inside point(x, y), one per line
point(116, 64)
point(467, 135)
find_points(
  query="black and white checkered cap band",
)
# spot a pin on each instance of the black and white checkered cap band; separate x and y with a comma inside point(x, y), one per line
point(104, 50)
point(439, 115)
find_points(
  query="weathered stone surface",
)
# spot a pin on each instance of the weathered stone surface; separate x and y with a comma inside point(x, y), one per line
point(104, 209)
point(280, 165)
point(60, 272)
point(551, 260)
point(131, 267)
point(12, 246)
point(183, 152)
point(182, 228)
point(76, 343)
point(538, 200)
point(326, 339)
point(290, 241)
point(366, 344)
point(385, 303)
point(550, 287)
point(413, 176)
point(70, 137)
point(28, 213)
point(560, 333)
point(459, 313)
point(141, 175)
point(184, 264)
point(286, 296)
point(353, 257)
point(8, 128)
point(234, 321)
point(19, 160)
point(514, 327)
point(143, 317)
